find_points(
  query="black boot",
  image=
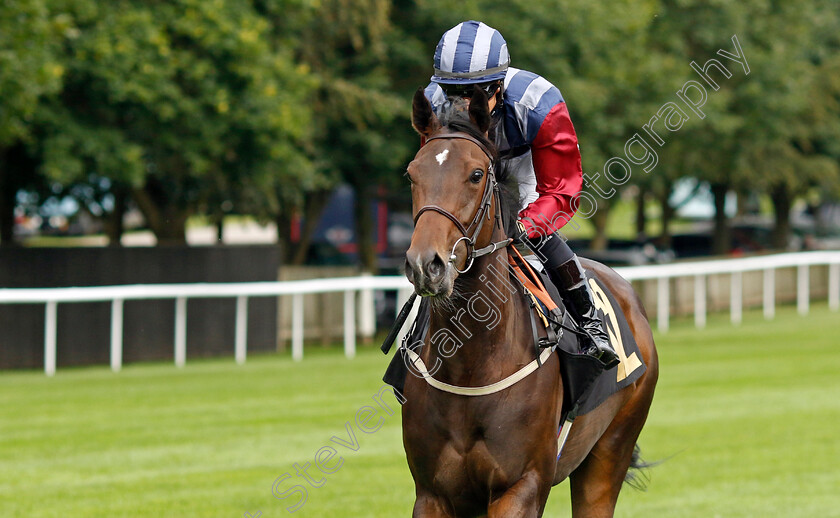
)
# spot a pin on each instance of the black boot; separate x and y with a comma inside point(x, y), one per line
point(571, 282)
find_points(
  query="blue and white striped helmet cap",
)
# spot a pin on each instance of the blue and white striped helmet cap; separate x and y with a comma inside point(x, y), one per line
point(471, 52)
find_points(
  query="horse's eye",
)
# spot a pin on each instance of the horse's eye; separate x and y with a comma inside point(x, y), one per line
point(476, 176)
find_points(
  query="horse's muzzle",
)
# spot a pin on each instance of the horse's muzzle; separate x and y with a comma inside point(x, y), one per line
point(428, 272)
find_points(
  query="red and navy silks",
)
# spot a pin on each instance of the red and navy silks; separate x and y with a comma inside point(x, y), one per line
point(536, 121)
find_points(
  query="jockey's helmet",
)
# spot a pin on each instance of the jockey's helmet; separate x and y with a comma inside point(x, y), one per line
point(471, 52)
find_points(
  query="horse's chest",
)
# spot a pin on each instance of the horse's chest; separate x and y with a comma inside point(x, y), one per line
point(472, 449)
point(476, 459)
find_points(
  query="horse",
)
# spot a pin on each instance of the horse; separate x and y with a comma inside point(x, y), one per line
point(496, 455)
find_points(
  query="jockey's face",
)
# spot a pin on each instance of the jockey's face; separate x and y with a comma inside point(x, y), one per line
point(491, 102)
point(492, 90)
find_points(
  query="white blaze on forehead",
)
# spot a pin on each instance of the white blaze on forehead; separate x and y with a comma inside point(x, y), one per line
point(441, 157)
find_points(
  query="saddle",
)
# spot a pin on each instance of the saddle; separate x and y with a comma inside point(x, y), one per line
point(585, 383)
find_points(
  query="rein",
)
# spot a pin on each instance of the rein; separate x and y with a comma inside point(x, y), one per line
point(491, 192)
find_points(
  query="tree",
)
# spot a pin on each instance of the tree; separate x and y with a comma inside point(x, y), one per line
point(29, 70)
point(345, 45)
point(759, 127)
point(184, 99)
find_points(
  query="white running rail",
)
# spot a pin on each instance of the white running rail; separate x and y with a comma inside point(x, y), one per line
point(366, 284)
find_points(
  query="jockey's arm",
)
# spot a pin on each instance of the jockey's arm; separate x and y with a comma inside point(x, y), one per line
point(556, 159)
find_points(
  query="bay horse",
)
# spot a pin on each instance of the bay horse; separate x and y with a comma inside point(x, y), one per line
point(495, 455)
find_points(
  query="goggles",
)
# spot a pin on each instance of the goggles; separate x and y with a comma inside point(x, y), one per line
point(466, 90)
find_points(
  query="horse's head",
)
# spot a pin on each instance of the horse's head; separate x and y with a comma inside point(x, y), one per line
point(452, 188)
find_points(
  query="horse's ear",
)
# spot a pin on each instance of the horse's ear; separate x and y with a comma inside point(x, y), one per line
point(480, 109)
point(422, 116)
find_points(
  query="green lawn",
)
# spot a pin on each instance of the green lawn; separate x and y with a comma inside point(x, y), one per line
point(747, 420)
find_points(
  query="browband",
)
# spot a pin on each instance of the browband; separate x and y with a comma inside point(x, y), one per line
point(463, 136)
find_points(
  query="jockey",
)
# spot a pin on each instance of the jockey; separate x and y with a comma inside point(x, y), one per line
point(535, 136)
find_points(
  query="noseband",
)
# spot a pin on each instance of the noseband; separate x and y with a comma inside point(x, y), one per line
point(470, 233)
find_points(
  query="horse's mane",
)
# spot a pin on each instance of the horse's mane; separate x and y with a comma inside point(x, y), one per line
point(454, 116)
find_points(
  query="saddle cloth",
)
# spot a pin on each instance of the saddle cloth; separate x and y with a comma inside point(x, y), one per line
point(585, 383)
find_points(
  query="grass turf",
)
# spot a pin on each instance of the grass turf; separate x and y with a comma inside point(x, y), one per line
point(746, 417)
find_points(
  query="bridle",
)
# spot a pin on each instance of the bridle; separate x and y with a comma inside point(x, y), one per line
point(471, 232)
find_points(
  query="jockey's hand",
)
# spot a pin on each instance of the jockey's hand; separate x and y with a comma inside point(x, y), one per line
point(519, 234)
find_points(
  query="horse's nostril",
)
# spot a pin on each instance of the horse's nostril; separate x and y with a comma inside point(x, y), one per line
point(436, 268)
point(409, 271)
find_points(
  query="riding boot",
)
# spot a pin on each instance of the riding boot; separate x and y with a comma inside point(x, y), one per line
point(571, 282)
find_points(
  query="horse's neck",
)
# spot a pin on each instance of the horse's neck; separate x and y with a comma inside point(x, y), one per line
point(483, 327)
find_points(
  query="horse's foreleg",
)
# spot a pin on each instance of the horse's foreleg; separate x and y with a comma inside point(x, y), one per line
point(524, 499)
point(430, 506)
